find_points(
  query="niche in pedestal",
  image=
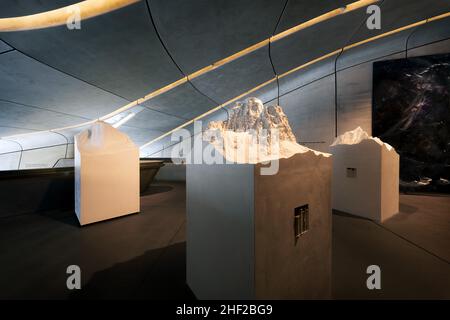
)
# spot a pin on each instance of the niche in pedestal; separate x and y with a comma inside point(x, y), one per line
point(255, 236)
point(365, 176)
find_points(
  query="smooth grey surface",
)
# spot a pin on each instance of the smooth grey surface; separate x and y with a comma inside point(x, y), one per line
point(140, 135)
point(299, 11)
point(10, 161)
point(440, 47)
point(183, 101)
point(39, 140)
point(35, 118)
point(307, 75)
point(266, 94)
point(311, 113)
point(26, 81)
point(374, 50)
point(315, 41)
point(151, 119)
point(7, 146)
point(43, 157)
point(430, 32)
point(220, 253)
point(11, 130)
point(118, 51)
point(4, 47)
point(236, 77)
point(200, 32)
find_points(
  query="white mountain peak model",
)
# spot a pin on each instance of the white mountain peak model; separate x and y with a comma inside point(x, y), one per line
point(254, 133)
point(356, 136)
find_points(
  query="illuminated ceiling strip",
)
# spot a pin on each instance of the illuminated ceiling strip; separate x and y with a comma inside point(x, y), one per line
point(309, 63)
point(333, 13)
point(350, 7)
point(61, 16)
point(444, 15)
point(326, 16)
point(210, 111)
point(145, 98)
point(297, 69)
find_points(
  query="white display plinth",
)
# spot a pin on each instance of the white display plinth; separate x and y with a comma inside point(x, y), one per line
point(240, 230)
point(106, 174)
point(366, 179)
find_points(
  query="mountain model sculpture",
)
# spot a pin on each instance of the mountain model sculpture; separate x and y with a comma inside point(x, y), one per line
point(254, 133)
point(357, 136)
point(256, 215)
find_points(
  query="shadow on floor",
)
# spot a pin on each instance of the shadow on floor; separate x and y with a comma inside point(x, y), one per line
point(405, 208)
point(158, 274)
point(156, 189)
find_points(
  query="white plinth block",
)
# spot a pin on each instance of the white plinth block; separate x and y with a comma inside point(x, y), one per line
point(366, 179)
point(106, 174)
point(241, 237)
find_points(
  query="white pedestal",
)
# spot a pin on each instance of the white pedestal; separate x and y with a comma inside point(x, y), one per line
point(106, 174)
point(366, 180)
point(240, 230)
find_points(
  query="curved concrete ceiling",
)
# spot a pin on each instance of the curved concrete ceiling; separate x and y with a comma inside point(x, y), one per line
point(145, 58)
point(62, 16)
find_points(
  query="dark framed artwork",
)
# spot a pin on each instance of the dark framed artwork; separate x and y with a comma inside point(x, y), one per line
point(411, 112)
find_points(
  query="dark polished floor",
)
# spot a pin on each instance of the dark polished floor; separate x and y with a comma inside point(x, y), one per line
point(412, 250)
point(139, 256)
point(143, 256)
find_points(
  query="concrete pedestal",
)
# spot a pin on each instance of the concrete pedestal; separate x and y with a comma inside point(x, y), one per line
point(241, 237)
point(366, 179)
point(106, 174)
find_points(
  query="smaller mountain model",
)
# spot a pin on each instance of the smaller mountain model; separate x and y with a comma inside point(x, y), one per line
point(356, 136)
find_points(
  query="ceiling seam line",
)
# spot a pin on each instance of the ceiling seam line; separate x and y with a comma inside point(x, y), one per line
point(336, 95)
point(21, 152)
point(409, 36)
point(136, 101)
point(387, 55)
point(270, 50)
point(173, 59)
point(42, 108)
point(13, 127)
point(9, 50)
point(162, 112)
point(67, 74)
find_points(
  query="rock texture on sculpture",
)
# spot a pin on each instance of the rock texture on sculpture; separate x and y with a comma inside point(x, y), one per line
point(356, 136)
point(254, 133)
point(241, 241)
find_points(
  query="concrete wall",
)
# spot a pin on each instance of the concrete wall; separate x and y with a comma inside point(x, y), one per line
point(46, 83)
point(334, 95)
